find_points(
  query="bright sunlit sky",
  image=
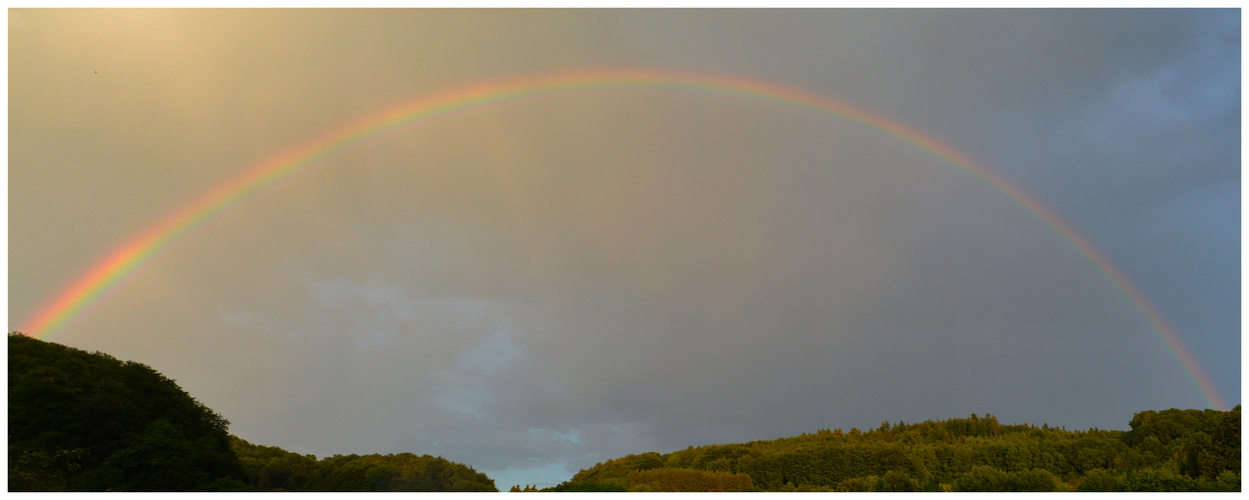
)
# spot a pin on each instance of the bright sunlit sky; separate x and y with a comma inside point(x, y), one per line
point(538, 286)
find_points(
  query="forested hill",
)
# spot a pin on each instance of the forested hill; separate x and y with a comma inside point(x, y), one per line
point(1170, 450)
point(81, 421)
point(274, 469)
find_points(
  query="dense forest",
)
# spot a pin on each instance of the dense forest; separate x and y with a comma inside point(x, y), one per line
point(273, 469)
point(81, 421)
point(1170, 450)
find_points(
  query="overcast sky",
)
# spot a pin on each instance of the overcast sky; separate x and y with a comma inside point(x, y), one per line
point(537, 287)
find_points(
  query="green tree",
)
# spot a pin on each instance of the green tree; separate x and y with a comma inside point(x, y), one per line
point(82, 421)
point(1101, 480)
point(982, 478)
point(1032, 480)
point(1151, 479)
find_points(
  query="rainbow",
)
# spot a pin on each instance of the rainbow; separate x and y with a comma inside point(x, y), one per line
point(109, 273)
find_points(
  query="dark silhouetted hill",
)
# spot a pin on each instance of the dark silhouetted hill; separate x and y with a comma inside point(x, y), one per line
point(81, 421)
point(274, 469)
point(85, 421)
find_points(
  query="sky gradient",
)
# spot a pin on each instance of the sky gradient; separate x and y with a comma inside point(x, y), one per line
point(539, 284)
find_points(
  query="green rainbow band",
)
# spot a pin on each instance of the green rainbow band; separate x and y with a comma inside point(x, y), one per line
point(121, 263)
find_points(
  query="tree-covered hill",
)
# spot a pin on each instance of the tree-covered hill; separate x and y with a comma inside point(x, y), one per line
point(274, 469)
point(81, 421)
point(1170, 450)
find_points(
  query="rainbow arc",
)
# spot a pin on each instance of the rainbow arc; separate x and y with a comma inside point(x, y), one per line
point(110, 272)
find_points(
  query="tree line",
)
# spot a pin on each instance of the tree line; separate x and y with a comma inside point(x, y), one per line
point(86, 421)
point(274, 469)
point(81, 421)
point(1169, 450)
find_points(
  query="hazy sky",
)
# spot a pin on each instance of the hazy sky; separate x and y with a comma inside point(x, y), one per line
point(536, 287)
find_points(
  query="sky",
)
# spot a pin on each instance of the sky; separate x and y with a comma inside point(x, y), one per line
point(538, 285)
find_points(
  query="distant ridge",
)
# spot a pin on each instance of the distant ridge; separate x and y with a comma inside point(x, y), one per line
point(1169, 450)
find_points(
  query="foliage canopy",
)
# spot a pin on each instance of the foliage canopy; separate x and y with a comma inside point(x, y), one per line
point(1169, 450)
point(81, 421)
point(274, 469)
